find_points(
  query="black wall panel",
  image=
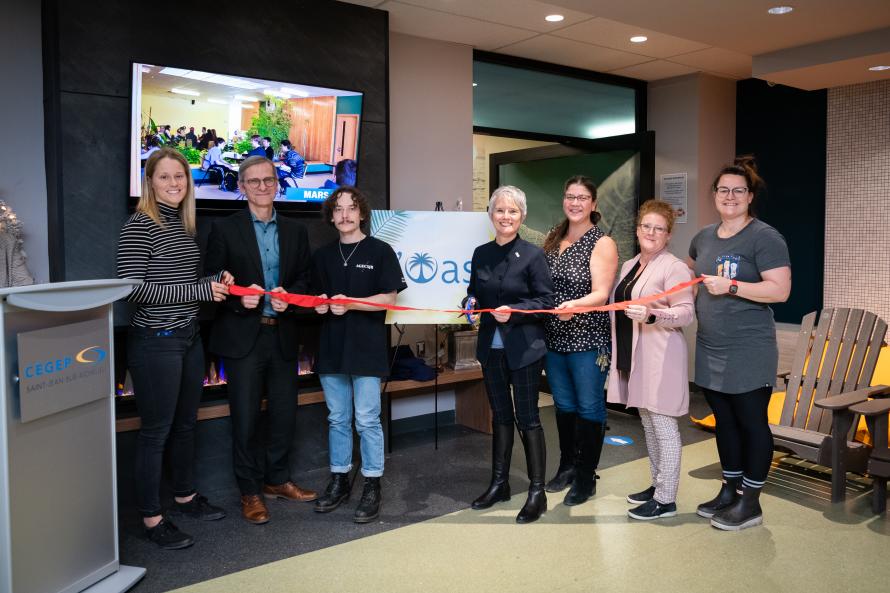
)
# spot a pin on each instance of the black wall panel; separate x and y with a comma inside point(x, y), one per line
point(785, 129)
point(89, 48)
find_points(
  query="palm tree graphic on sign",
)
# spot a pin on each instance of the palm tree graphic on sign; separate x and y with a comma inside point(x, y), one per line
point(421, 262)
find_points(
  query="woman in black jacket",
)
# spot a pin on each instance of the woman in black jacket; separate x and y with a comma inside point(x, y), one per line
point(510, 273)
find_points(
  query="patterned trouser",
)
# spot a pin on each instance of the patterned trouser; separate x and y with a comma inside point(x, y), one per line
point(663, 443)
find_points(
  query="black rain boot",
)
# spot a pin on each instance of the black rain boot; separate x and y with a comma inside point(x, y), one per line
point(336, 493)
point(724, 498)
point(743, 513)
point(501, 451)
point(568, 452)
point(535, 459)
point(369, 507)
point(590, 439)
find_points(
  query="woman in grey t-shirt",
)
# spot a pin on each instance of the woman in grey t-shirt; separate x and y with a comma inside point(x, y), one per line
point(745, 265)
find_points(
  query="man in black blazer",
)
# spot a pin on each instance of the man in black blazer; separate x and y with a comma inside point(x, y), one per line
point(257, 336)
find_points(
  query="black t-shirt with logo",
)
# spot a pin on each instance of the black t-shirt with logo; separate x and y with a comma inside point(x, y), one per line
point(355, 343)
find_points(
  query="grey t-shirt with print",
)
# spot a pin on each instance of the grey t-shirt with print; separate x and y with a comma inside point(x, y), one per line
point(735, 347)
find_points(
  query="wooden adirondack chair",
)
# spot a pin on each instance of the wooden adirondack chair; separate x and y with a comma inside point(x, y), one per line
point(832, 369)
point(876, 414)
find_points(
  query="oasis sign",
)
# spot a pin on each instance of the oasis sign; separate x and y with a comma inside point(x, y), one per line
point(435, 250)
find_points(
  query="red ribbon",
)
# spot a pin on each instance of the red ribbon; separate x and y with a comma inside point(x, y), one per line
point(304, 300)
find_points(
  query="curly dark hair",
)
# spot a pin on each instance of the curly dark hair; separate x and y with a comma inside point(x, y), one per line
point(557, 233)
point(358, 198)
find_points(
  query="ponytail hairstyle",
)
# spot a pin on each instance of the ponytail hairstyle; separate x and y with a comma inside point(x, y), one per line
point(558, 233)
point(744, 166)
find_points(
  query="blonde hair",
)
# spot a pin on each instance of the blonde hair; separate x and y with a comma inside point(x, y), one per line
point(148, 202)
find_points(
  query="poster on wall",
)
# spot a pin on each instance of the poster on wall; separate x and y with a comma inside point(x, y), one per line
point(673, 191)
point(435, 250)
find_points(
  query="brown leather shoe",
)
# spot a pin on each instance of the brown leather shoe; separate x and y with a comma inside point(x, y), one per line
point(289, 491)
point(254, 510)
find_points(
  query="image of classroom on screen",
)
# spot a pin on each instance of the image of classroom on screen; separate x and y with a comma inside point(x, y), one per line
point(310, 133)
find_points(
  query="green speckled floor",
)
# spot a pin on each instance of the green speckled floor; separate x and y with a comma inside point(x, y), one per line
point(805, 545)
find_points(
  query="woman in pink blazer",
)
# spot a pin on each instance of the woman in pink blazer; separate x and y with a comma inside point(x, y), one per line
point(649, 355)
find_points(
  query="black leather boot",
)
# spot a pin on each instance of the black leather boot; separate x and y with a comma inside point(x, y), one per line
point(501, 451)
point(336, 493)
point(568, 452)
point(724, 498)
point(590, 445)
point(369, 507)
point(743, 513)
point(535, 458)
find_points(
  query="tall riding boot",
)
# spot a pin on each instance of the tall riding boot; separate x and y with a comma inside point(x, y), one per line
point(501, 450)
point(590, 441)
point(535, 459)
point(743, 513)
point(568, 452)
point(727, 495)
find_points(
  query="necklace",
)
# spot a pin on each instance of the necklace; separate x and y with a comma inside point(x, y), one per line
point(343, 257)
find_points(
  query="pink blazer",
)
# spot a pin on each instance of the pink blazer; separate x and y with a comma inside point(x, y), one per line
point(658, 380)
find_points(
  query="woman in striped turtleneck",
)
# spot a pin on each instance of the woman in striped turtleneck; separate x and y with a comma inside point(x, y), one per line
point(164, 351)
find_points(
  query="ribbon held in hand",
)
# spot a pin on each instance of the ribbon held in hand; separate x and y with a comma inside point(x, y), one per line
point(305, 300)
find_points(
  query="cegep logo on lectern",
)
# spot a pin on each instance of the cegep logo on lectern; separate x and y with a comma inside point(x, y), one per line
point(89, 355)
point(62, 367)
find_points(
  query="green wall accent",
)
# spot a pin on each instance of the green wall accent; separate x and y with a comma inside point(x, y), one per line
point(351, 104)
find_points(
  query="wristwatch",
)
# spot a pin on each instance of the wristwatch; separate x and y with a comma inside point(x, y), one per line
point(651, 319)
point(733, 286)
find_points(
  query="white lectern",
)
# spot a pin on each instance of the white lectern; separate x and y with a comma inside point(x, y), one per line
point(58, 499)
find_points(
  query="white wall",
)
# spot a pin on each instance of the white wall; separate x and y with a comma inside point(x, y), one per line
point(22, 165)
point(694, 122)
point(179, 111)
point(857, 217)
point(431, 123)
point(431, 149)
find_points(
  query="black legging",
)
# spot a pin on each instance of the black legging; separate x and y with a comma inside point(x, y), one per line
point(744, 440)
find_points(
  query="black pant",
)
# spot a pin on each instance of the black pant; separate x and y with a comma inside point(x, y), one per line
point(744, 440)
point(525, 382)
point(167, 367)
point(263, 372)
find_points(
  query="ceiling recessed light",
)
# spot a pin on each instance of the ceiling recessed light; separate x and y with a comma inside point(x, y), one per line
point(246, 98)
point(780, 9)
point(639, 38)
point(218, 101)
point(475, 84)
point(879, 68)
point(185, 92)
point(553, 18)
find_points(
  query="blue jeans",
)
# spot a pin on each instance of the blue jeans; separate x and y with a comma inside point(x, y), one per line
point(339, 393)
point(577, 382)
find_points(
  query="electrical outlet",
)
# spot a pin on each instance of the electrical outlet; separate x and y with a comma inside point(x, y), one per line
point(420, 348)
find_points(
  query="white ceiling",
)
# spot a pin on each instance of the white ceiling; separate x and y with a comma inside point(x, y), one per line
point(719, 37)
point(156, 82)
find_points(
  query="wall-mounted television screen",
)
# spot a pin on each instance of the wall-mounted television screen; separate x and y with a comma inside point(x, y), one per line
point(217, 120)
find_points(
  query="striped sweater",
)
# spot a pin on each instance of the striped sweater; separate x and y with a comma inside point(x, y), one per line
point(166, 260)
